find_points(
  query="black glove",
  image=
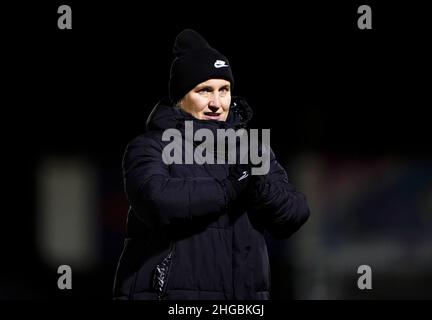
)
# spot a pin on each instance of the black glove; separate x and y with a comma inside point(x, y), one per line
point(237, 180)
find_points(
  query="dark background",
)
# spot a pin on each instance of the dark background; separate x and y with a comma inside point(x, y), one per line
point(320, 84)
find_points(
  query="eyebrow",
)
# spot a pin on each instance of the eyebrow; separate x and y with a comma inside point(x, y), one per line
point(225, 86)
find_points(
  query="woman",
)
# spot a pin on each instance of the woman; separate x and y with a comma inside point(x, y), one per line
point(195, 231)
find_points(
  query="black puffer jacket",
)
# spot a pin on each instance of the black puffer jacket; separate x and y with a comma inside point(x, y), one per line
point(183, 240)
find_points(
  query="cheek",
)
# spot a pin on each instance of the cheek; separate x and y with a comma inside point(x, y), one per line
point(195, 104)
point(200, 104)
point(226, 104)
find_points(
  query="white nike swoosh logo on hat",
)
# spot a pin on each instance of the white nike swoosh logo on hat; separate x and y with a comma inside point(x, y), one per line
point(220, 64)
point(245, 174)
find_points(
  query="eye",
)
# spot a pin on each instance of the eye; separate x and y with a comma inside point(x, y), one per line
point(223, 91)
point(204, 90)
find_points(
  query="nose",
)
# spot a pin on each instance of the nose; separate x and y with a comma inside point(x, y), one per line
point(214, 103)
point(213, 108)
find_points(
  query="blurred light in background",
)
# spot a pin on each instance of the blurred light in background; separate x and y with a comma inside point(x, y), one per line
point(369, 210)
point(67, 213)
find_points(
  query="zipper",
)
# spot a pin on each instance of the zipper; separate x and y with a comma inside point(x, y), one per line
point(162, 271)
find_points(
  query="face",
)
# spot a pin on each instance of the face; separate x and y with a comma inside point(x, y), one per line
point(209, 100)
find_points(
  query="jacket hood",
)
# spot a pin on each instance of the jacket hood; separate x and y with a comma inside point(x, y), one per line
point(165, 115)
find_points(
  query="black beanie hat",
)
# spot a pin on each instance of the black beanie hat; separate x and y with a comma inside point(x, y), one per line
point(195, 62)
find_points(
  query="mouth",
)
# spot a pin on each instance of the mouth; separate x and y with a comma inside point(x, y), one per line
point(211, 115)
